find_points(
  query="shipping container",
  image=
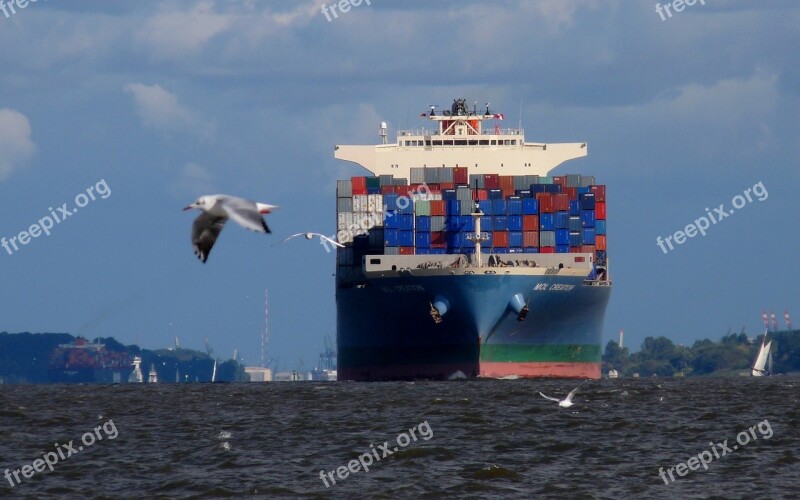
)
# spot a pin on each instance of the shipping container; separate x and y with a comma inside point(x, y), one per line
point(514, 206)
point(466, 223)
point(515, 239)
point(422, 207)
point(438, 223)
point(530, 239)
point(491, 181)
point(530, 206)
point(390, 220)
point(390, 237)
point(519, 182)
point(487, 223)
point(587, 201)
point(437, 207)
point(344, 188)
point(515, 223)
point(547, 249)
point(439, 239)
point(600, 241)
point(405, 238)
point(422, 240)
point(575, 223)
point(480, 194)
point(530, 222)
point(500, 223)
point(562, 220)
point(477, 181)
point(546, 202)
point(547, 238)
point(486, 207)
point(600, 226)
point(446, 175)
point(500, 239)
point(359, 185)
point(562, 237)
point(587, 249)
point(423, 224)
point(547, 222)
point(562, 248)
point(460, 175)
point(575, 207)
point(574, 238)
point(495, 194)
point(573, 180)
point(587, 180)
point(405, 222)
point(587, 218)
point(406, 250)
point(588, 237)
point(499, 207)
point(600, 210)
point(599, 192)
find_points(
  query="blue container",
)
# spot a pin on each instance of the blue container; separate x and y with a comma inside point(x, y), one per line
point(487, 223)
point(374, 190)
point(587, 201)
point(515, 239)
point(423, 240)
point(495, 194)
point(466, 223)
point(515, 206)
point(600, 227)
point(499, 207)
point(405, 207)
point(574, 238)
point(575, 223)
point(587, 218)
point(575, 207)
point(552, 188)
point(405, 238)
point(562, 248)
point(453, 207)
point(562, 237)
point(515, 223)
point(437, 251)
point(524, 193)
point(390, 220)
point(530, 206)
point(423, 224)
point(500, 250)
point(562, 220)
point(485, 206)
point(500, 223)
point(584, 190)
point(390, 237)
point(452, 223)
point(588, 236)
point(455, 240)
point(405, 222)
point(537, 188)
point(391, 201)
point(449, 194)
point(547, 222)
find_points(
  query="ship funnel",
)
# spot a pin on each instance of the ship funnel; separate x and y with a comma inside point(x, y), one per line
point(518, 305)
point(439, 308)
point(384, 132)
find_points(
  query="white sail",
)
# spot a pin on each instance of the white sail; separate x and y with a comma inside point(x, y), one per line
point(764, 357)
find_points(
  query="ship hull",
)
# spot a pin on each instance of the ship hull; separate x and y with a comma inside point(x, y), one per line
point(386, 332)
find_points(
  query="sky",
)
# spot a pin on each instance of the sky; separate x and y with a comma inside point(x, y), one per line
point(151, 104)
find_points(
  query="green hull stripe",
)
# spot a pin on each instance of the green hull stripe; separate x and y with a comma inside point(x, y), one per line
point(570, 353)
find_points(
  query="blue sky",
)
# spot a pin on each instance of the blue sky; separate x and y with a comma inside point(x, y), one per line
point(165, 101)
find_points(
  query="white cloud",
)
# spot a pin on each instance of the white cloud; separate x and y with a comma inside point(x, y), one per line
point(16, 145)
point(160, 110)
point(178, 32)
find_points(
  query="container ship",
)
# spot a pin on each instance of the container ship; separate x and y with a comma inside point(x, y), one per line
point(88, 362)
point(464, 257)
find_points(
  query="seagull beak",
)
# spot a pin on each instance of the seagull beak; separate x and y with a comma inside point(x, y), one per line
point(189, 207)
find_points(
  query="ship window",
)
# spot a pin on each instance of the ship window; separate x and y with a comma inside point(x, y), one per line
point(513, 142)
point(437, 143)
point(448, 143)
point(461, 143)
point(494, 142)
point(374, 261)
point(483, 142)
point(473, 143)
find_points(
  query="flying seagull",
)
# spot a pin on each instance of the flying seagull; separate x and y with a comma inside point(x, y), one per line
point(217, 209)
point(309, 236)
point(568, 401)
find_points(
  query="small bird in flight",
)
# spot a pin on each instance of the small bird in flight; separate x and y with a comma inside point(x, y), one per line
point(217, 209)
point(566, 403)
point(309, 236)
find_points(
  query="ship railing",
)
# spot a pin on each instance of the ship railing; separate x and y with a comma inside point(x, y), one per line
point(435, 133)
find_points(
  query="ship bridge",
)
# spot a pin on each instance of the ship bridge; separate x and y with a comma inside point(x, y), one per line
point(459, 138)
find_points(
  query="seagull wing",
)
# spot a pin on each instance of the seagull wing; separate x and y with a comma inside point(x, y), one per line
point(551, 399)
point(245, 213)
point(205, 231)
point(330, 240)
point(293, 236)
point(573, 391)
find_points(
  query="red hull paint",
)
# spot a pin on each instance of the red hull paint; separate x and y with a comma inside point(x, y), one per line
point(541, 370)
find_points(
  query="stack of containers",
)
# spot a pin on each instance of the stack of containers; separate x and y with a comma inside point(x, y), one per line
point(431, 214)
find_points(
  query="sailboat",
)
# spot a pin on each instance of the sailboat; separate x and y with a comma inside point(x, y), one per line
point(762, 367)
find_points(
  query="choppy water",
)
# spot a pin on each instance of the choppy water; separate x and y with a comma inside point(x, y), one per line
point(486, 439)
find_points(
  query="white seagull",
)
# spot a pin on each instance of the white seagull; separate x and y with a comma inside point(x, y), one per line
point(309, 236)
point(568, 401)
point(217, 209)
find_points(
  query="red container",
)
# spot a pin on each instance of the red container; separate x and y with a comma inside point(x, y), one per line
point(446, 185)
point(508, 192)
point(530, 238)
point(574, 249)
point(461, 175)
point(561, 180)
point(480, 194)
point(438, 239)
point(547, 250)
point(388, 189)
point(571, 191)
point(600, 241)
point(599, 192)
point(406, 250)
point(359, 185)
point(587, 248)
point(561, 202)
point(500, 239)
point(530, 223)
point(600, 210)
point(506, 182)
point(491, 181)
point(546, 202)
point(437, 207)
